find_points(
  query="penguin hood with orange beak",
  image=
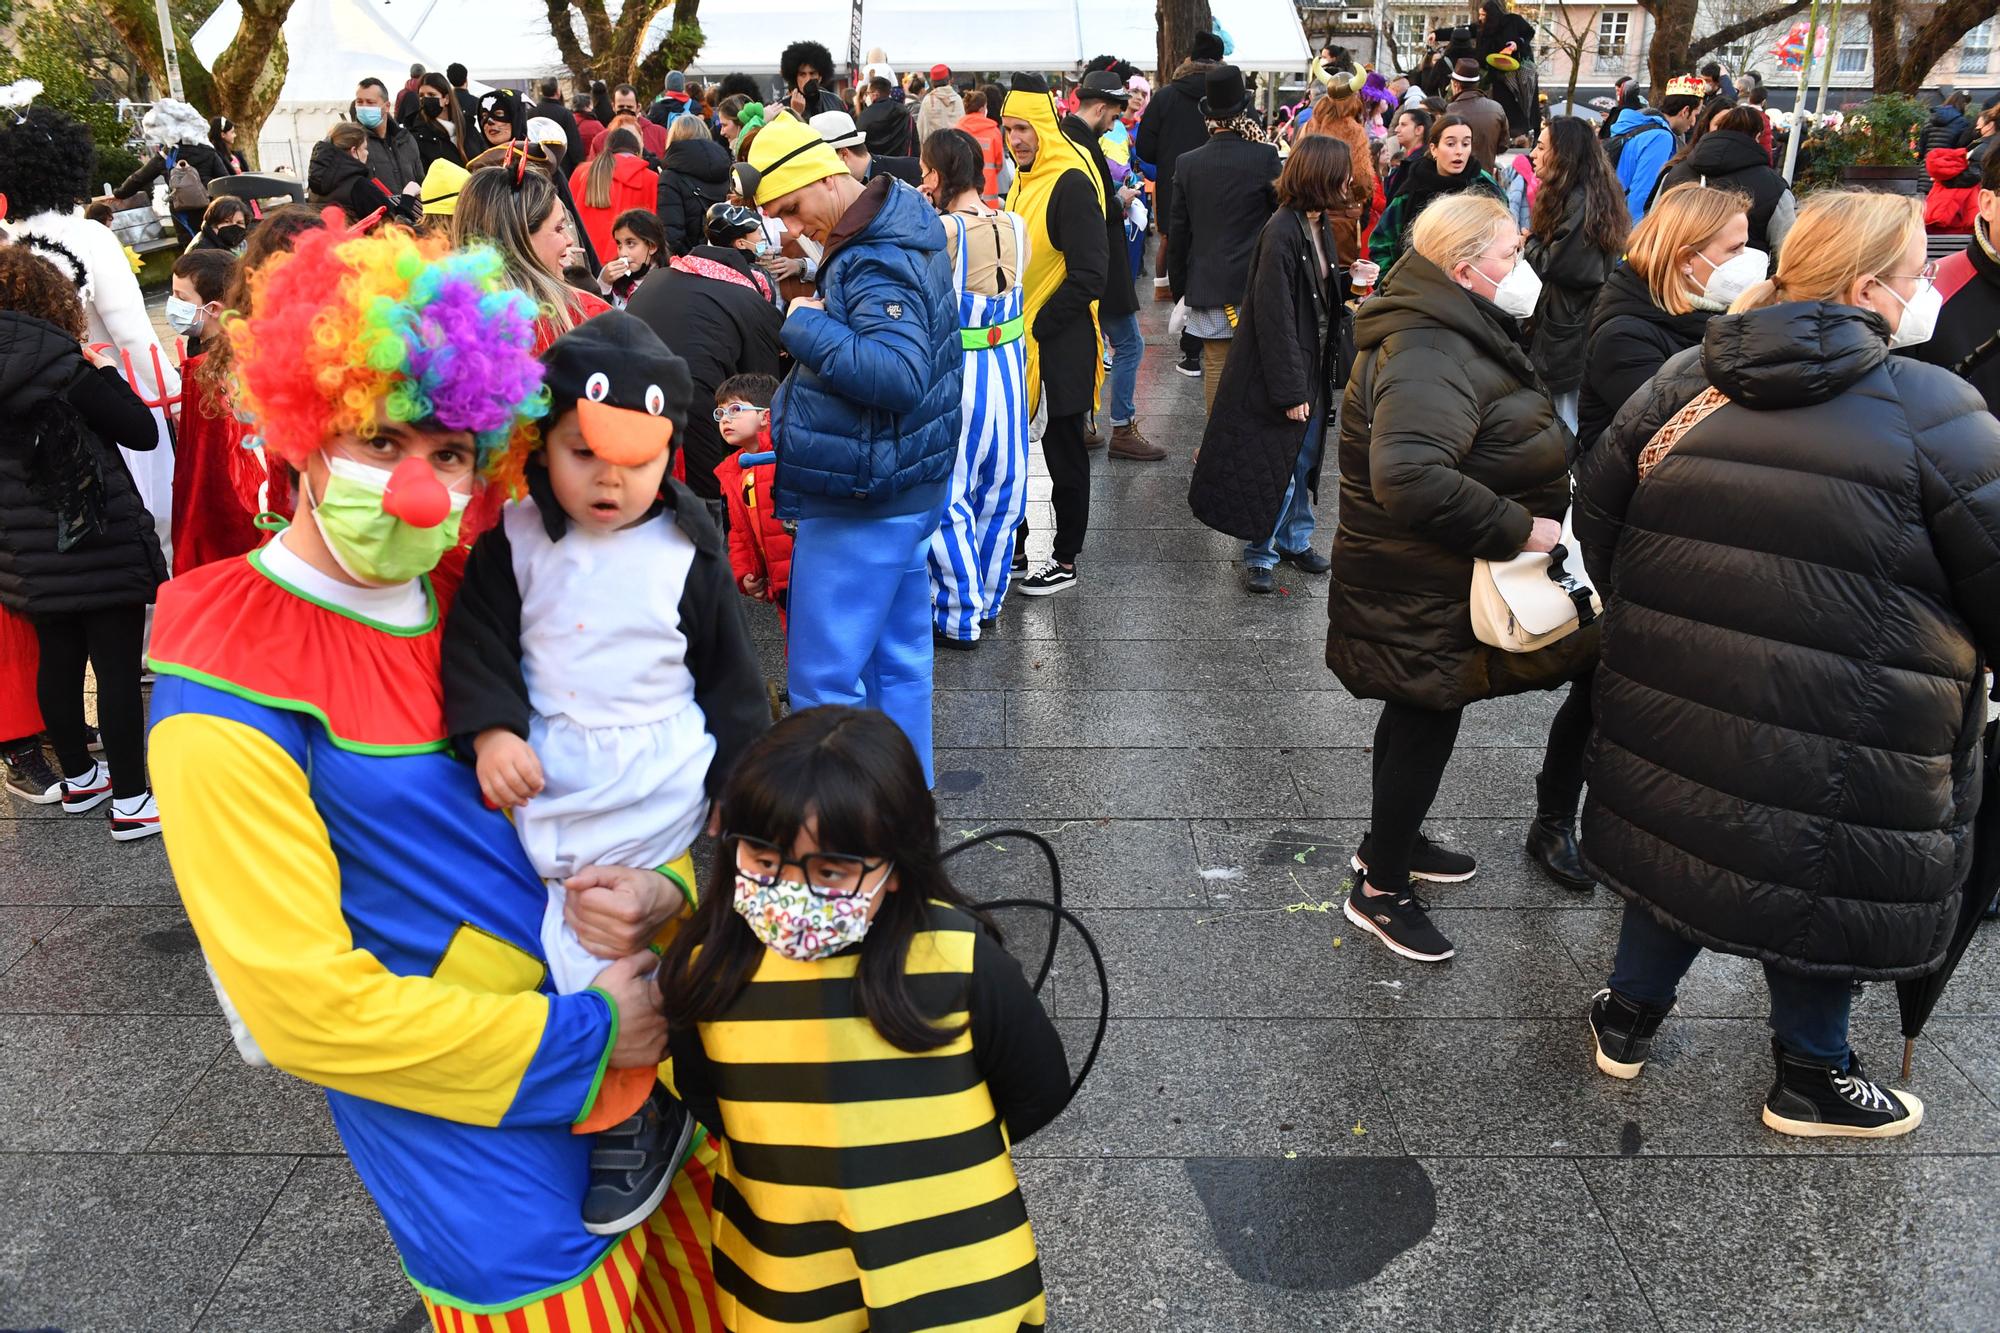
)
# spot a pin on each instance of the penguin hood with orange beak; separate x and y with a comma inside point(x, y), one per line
point(629, 391)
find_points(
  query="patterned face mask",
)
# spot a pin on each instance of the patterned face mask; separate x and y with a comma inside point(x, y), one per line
point(803, 925)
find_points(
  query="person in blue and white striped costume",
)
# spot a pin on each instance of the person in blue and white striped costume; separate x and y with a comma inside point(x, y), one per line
point(974, 546)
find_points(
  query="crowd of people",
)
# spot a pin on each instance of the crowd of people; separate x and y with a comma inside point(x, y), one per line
point(436, 530)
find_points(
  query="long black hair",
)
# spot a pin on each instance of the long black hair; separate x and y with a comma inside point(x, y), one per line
point(1580, 166)
point(852, 775)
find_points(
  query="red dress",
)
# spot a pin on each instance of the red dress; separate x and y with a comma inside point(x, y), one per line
point(211, 518)
point(20, 655)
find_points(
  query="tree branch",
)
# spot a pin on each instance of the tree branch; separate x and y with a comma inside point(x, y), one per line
point(559, 27)
point(139, 27)
point(1745, 27)
point(1944, 29)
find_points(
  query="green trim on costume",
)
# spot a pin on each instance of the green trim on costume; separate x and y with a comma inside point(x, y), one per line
point(687, 889)
point(400, 631)
point(604, 1060)
point(982, 338)
point(292, 706)
point(445, 1298)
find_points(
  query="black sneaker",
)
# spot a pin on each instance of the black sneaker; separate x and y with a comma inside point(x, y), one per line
point(1052, 577)
point(1624, 1032)
point(1428, 862)
point(989, 624)
point(632, 1165)
point(1189, 365)
point(1400, 921)
point(942, 640)
point(85, 793)
point(30, 776)
point(1812, 1100)
point(1258, 579)
point(1020, 564)
point(1307, 561)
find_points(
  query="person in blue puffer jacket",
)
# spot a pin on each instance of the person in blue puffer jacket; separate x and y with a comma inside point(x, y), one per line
point(866, 428)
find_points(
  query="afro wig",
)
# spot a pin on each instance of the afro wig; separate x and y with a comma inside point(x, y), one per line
point(739, 85)
point(349, 333)
point(805, 53)
point(47, 160)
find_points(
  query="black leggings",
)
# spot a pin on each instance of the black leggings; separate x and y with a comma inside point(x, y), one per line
point(111, 641)
point(1412, 748)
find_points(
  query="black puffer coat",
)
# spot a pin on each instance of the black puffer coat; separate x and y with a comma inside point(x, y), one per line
point(1630, 339)
point(121, 564)
point(1572, 270)
point(1449, 449)
point(1799, 598)
point(694, 175)
point(1285, 352)
point(1732, 160)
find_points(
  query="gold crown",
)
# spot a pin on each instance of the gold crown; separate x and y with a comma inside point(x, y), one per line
point(1687, 85)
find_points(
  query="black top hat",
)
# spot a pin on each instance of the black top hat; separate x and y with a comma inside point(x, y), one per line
point(1206, 46)
point(1227, 96)
point(1105, 86)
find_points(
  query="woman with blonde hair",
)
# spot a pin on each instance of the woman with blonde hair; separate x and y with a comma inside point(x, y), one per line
point(1684, 264)
point(1450, 451)
point(694, 176)
point(1797, 537)
point(520, 214)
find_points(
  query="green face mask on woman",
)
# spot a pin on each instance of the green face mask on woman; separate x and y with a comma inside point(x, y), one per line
point(369, 542)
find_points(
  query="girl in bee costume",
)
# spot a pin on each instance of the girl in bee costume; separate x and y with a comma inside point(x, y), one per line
point(844, 1021)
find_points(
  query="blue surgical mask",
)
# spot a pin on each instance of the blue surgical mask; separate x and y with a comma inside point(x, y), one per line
point(183, 316)
point(369, 116)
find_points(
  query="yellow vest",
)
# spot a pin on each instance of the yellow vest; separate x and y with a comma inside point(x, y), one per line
point(862, 1186)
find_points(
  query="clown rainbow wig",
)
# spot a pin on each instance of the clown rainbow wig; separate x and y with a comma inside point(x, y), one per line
point(351, 333)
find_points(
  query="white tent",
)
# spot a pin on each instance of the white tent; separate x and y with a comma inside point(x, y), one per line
point(332, 45)
point(500, 41)
point(747, 35)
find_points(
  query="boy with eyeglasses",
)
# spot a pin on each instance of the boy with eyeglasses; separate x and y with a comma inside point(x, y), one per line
point(760, 543)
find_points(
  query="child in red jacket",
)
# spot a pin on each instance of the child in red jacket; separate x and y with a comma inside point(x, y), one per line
point(760, 546)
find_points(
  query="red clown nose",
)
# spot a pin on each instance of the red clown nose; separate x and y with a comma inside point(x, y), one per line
point(415, 495)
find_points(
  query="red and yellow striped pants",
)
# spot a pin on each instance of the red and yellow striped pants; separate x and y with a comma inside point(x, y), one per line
point(656, 1280)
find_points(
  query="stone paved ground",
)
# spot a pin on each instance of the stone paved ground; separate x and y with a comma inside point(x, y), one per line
point(1288, 1129)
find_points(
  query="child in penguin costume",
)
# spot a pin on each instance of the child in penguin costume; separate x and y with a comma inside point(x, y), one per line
point(598, 672)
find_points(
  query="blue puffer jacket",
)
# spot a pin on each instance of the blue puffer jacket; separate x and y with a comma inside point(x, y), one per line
point(871, 413)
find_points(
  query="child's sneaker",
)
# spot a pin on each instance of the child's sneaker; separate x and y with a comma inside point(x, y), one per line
point(134, 818)
point(86, 793)
point(632, 1164)
point(30, 777)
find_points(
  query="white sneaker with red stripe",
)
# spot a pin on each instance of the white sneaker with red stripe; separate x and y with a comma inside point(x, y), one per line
point(134, 818)
point(86, 793)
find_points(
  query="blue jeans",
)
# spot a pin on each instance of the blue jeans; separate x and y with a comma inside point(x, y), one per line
point(1294, 532)
point(1122, 332)
point(1808, 1014)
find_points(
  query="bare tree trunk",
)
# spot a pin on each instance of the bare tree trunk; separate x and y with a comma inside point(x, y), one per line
point(248, 75)
point(1179, 21)
point(1902, 58)
point(1674, 48)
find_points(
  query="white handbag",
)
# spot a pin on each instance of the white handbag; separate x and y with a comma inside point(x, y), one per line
point(1535, 599)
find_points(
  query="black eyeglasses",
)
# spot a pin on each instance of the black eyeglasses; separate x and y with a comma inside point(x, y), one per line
point(827, 874)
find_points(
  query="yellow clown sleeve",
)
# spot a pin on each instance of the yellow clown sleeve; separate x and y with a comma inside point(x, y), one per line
point(257, 873)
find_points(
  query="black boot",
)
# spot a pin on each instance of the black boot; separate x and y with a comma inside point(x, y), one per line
point(1624, 1030)
point(1552, 841)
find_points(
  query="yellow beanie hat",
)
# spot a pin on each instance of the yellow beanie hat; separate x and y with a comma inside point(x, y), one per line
point(442, 183)
point(789, 155)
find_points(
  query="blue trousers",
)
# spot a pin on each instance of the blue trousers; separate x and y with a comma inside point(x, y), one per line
point(1294, 530)
point(1127, 348)
point(859, 618)
point(1808, 1014)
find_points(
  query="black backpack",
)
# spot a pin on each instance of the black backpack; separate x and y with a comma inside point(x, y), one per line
point(1614, 148)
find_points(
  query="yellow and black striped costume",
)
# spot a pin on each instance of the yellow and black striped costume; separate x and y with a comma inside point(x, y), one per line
point(862, 1186)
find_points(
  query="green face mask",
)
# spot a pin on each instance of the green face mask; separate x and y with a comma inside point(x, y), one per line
point(370, 543)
